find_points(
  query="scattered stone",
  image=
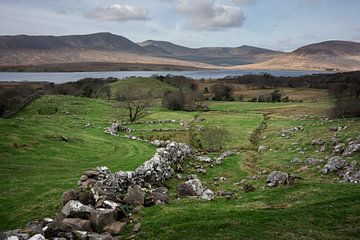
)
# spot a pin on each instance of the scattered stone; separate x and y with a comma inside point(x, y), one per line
point(80, 235)
point(246, 186)
point(288, 132)
point(201, 170)
point(136, 227)
point(64, 138)
point(96, 236)
point(226, 194)
point(179, 176)
point(207, 195)
point(204, 159)
point(303, 169)
point(338, 128)
point(313, 161)
point(353, 147)
point(67, 196)
point(160, 195)
point(262, 149)
point(219, 179)
point(296, 161)
point(350, 174)
point(77, 210)
point(318, 141)
point(277, 178)
point(134, 196)
point(14, 235)
point(334, 164)
point(191, 176)
point(115, 228)
point(339, 148)
point(78, 224)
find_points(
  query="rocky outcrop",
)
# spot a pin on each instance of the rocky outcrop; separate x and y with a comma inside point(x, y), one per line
point(193, 188)
point(278, 178)
point(334, 164)
point(353, 147)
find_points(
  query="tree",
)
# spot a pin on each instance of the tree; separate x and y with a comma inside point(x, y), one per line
point(134, 99)
point(209, 138)
point(222, 92)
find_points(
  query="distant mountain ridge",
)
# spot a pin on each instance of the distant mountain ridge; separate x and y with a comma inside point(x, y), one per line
point(21, 50)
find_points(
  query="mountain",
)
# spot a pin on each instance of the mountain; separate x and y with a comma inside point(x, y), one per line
point(23, 50)
point(113, 52)
point(223, 56)
point(328, 55)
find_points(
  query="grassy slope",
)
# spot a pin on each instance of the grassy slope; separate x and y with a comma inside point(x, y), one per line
point(34, 177)
point(143, 82)
point(315, 208)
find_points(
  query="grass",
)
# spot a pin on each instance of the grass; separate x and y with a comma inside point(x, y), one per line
point(35, 175)
point(316, 207)
point(143, 83)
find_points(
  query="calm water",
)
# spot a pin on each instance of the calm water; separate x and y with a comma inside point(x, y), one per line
point(61, 77)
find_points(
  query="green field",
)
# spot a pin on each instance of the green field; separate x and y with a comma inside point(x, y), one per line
point(37, 166)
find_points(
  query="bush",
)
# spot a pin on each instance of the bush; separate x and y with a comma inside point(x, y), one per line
point(209, 138)
point(222, 92)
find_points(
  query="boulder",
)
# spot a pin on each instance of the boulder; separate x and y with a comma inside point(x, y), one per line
point(196, 186)
point(246, 186)
point(160, 195)
point(312, 161)
point(78, 224)
point(350, 174)
point(277, 178)
point(296, 161)
point(339, 148)
point(334, 164)
point(102, 217)
point(208, 195)
point(67, 196)
point(184, 190)
point(76, 209)
point(80, 235)
point(115, 228)
point(134, 196)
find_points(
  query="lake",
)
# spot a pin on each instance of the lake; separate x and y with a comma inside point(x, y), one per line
point(61, 77)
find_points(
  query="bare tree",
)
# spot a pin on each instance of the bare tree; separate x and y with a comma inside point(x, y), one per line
point(134, 99)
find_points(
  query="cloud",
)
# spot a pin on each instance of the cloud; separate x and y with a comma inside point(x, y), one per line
point(206, 15)
point(245, 2)
point(118, 13)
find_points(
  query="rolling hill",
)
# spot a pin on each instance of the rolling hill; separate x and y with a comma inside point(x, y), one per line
point(329, 55)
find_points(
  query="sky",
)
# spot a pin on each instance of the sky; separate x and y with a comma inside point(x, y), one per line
point(276, 24)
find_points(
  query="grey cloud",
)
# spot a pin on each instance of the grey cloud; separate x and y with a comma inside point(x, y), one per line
point(206, 15)
point(118, 13)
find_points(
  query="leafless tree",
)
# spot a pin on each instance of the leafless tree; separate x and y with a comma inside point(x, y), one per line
point(135, 100)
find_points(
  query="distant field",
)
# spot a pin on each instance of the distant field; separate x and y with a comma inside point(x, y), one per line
point(37, 166)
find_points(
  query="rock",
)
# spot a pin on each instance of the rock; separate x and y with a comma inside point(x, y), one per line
point(102, 217)
point(67, 196)
point(334, 164)
point(76, 209)
point(296, 161)
point(191, 176)
point(207, 195)
point(350, 174)
point(80, 235)
point(246, 186)
point(134, 196)
point(219, 179)
point(64, 138)
point(115, 228)
point(226, 194)
point(277, 178)
point(96, 236)
point(312, 161)
point(318, 141)
point(14, 235)
point(262, 149)
point(196, 186)
point(35, 227)
point(184, 190)
point(136, 227)
point(303, 169)
point(78, 224)
point(339, 148)
point(201, 170)
point(204, 159)
point(353, 147)
point(179, 176)
point(86, 197)
point(160, 195)
point(37, 237)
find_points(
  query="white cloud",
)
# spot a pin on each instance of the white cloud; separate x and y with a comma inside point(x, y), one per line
point(244, 2)
point(206, 15)
point(118, 13)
